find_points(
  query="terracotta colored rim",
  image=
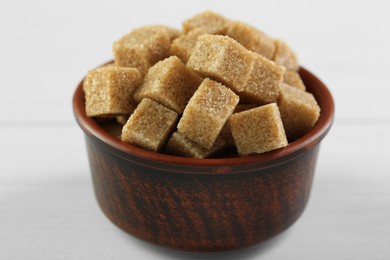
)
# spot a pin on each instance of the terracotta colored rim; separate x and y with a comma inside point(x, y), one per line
point(323, 125)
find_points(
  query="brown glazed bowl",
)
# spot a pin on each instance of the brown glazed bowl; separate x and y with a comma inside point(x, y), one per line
point(203, 204)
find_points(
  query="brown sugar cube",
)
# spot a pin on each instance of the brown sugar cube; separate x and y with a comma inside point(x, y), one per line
point(207, 112)
point(258, 130)
point(178, 144)
point(285, 56)
point(293, 79)
point(222, 58)
point(169, 83)
point(109, 91)
point(252, 38)
point(173, 32)
point(183, 46)
point(150, 125)
point(262, 86)
point(299, 111)
point(212, 22)
point(226, 132)
point(142, 48)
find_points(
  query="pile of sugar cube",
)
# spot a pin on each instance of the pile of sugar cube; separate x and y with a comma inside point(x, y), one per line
point(216, 85)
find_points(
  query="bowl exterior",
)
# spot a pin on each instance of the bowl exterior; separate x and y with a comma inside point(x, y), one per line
point(200, 208)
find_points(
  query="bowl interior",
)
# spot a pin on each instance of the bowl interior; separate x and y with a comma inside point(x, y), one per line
point(313, 84)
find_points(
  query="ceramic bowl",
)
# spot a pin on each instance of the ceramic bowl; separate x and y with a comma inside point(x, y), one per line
point(203, 204)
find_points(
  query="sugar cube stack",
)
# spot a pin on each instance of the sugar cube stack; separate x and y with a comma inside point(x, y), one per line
point(215, 87)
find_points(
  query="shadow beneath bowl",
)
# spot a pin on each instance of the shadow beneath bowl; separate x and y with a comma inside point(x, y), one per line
point(251, 252)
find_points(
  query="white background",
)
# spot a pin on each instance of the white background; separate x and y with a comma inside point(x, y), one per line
point(47, 205)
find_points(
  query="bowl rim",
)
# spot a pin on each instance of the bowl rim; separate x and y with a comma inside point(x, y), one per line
point(308, 141)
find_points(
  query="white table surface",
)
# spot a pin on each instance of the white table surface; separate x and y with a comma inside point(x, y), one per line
point(47, 205)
